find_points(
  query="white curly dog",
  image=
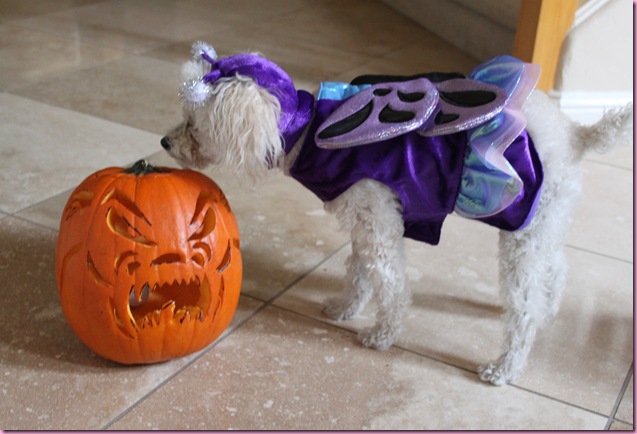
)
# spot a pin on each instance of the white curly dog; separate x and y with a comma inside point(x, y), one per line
point(242, 113)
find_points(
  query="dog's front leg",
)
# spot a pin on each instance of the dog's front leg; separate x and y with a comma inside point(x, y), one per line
point(372, 213)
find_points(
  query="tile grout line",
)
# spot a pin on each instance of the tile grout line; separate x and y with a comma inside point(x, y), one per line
point(622, 391)
point(603, 255)
point(609, 165)
point(223, 337)
point(26, 220)
point(449, 364)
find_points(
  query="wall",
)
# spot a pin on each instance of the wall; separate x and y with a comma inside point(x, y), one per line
point(596, 65)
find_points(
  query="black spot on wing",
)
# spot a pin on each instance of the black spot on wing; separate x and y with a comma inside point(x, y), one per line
point(381, 92)
point(445, 118)
point(347, 124)
point(410, 97)
point(390, 116)
point(468, 98)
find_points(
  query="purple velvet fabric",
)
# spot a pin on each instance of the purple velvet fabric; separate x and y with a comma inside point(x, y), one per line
point(522, 155)
point(425, 173)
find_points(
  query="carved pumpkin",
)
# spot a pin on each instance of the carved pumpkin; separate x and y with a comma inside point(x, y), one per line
point(148, 263)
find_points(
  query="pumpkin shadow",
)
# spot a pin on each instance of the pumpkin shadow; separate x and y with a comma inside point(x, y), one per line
point(33, 331)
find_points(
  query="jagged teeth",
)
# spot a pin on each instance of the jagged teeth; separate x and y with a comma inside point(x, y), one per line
point(168, 311)
point(137, 298)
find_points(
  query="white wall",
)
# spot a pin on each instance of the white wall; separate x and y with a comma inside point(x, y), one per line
point(596, 64)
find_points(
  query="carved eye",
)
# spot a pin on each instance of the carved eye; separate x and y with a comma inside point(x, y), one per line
point(127, 258)
point(121, 226)
point(78, 202)
point(207, 226)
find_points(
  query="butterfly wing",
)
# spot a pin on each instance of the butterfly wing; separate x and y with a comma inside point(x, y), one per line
point(378, 113)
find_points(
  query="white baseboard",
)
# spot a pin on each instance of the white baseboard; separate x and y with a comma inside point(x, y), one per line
point(588, 107)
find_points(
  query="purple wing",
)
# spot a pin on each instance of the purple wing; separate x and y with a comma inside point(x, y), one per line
point(378, 113)
point(464, 104)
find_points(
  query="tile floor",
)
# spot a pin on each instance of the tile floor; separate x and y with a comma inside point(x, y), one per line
point(87, 84)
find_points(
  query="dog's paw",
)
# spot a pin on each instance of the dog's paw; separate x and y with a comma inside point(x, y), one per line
point(378, 338)
point(494, 373)
point(338, 309)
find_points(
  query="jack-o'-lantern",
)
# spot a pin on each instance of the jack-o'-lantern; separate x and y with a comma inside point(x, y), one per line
point(148, 263)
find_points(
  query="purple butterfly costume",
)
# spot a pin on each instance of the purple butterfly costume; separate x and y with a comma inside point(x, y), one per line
point(440, 142)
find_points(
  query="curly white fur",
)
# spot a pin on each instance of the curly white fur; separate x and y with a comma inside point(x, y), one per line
point(232, 124)
point(236, 128)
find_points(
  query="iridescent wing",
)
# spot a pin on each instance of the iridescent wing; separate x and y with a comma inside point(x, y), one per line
point(378, 113)
point(489, 183)
point(464, 104)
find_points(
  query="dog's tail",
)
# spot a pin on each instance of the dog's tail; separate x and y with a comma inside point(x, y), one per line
point(613, 130)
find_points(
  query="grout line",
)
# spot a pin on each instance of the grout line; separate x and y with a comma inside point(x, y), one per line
point(307, 273)
point(603, 255)
point(26, 220)
point(622, 391)
point(223, 337)
point(450, 364)
point(552, 398)
point(608, 164)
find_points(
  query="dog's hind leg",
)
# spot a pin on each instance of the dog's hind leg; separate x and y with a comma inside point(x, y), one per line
point(372, 213)
point(532, 270)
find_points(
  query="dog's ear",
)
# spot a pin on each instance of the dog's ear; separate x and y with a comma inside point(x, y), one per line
point(244, 120)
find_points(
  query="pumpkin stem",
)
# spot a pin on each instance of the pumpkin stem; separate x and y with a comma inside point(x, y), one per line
point(141, 168)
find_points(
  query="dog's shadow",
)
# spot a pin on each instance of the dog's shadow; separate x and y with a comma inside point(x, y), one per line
point(433, 298)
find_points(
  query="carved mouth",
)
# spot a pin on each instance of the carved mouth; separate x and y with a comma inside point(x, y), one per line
point(181, 301)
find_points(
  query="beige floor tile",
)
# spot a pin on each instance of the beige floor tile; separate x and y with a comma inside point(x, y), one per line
point(217, 12)
point(13, 10)
point(621, 157)
point(127, 26)
point(281, 371)
point(359, 27)
point(31, 55)
point(307, 63)
point(48, 378)
point(620, 426)
point(455, 314)
point(134, 91)
point(603, 218)
point(625, 411)
point(583, 355)
point(47, 212)
point(47, 150)
point(284, 231)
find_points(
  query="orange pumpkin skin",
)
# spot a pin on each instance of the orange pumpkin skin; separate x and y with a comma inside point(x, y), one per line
point(148, 264)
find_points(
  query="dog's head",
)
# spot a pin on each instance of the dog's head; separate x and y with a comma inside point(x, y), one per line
point(235, 112)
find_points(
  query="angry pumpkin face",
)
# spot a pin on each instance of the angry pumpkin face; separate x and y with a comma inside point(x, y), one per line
point(148, 263)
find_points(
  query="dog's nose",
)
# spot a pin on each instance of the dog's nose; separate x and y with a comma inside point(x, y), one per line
point(165, 143)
